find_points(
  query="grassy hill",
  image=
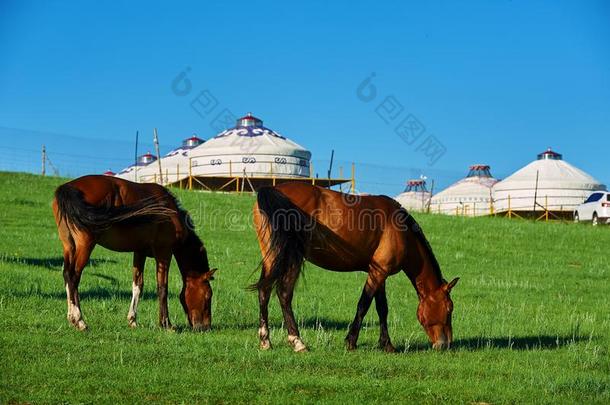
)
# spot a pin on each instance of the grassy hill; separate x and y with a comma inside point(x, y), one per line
point(531, 320)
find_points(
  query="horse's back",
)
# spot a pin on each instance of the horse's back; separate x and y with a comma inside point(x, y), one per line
point(351, 230)
point(141, 231)
point(97, 188)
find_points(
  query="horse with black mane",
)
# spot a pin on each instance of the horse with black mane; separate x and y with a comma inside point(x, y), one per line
point(145, 219)
point(342, 232)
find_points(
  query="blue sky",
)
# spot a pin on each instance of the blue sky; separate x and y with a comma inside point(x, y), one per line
point(493, 82)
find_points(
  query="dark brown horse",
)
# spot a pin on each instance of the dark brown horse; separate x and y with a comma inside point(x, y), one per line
point(342, 232)
point(145, 219)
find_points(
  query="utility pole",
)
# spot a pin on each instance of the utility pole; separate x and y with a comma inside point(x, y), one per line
point(44, 160)
point(135, 161)
point(156, 140)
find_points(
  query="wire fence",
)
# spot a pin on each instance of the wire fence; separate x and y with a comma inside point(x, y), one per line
point(72, 156)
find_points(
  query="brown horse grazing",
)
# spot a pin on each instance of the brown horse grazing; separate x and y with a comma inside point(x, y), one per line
point(342, 232)
point(145, 219)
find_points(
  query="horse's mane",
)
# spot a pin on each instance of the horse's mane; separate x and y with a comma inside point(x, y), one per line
point(419, 234)
point(186, 220)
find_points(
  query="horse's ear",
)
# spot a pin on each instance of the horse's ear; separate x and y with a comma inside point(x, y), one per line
point(209, 275)
point(447, 287)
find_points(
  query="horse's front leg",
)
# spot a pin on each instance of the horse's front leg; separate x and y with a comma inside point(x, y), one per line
point(137, 287)
point(381, 302)
point(373, 283)
point(163, 262)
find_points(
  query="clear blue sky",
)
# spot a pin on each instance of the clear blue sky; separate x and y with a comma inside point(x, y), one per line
point(494, 82)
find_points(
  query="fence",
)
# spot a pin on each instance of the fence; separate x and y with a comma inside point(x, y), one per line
point(72, 156)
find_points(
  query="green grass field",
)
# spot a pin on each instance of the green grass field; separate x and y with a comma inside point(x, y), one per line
point(531, 319)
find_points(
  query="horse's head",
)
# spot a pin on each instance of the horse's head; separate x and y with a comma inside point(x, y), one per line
point(196, 295)
point(434, 314)
point(196, 299)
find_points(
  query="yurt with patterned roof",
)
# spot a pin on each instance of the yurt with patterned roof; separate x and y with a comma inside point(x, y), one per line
point(470, 196)
point(416, 196)
point(254, 150)
point(143, 162)
point(174, 165)
point(549, 183)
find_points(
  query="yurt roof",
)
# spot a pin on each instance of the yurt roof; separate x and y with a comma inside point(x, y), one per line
point(416, 185)
point(187, 144)
point(142, 161)
point(552, 172)
point(478, 182)
point(171, 162)
point(249, 136)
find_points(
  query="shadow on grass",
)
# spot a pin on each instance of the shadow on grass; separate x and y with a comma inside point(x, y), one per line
point(96, 293)
point(522, 343)
point(308, 323)
point(546, 342)
point(51, 263)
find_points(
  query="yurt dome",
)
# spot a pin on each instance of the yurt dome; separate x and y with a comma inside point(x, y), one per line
point(470, 196)
point(548, 183)
point(174, 165)
point(253, 148)
point(143, 161)
point(416, 196)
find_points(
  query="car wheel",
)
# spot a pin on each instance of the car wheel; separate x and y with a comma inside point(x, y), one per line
point(595, 220)
point(576, 218)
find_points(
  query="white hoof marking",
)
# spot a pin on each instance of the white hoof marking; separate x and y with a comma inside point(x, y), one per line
point(297, 344)
point(133, 307)
point(263, 335)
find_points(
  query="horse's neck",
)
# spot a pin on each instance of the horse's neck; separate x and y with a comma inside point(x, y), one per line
point(182, 250)
point(188, 254)
point(424, 272)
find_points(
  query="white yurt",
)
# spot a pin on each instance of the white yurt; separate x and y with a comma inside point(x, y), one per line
point(548, 183)
point(416, 196)
point(145, 161)
point(470, 196)
point(251, 148)
point(174, 165)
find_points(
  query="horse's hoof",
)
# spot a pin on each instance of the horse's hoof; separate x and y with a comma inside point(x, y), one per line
point(81, 325)
point(265, 345)
point(166, 325)
point(133, 324)
point(350, 346)
point(297, 344)
point(389, 348)
point(201, 328)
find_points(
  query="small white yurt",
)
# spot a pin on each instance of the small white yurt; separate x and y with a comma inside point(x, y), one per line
point(251, 148)
point(470, 196)
point(174, 165)
point(548, 183)
point(416, 196)
point(143, 162)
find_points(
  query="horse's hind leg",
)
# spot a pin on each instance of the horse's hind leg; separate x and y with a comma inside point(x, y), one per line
point(73, 267)
point(264, 293)
point(381, 303)
point(285, 289)
point(264, 290)
point(137, 287)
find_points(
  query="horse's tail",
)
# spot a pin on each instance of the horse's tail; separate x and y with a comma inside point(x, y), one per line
point(79, 214)
point(289, 229)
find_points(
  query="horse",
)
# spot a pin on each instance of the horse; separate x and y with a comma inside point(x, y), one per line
point(341, 232)
point(145, 219)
